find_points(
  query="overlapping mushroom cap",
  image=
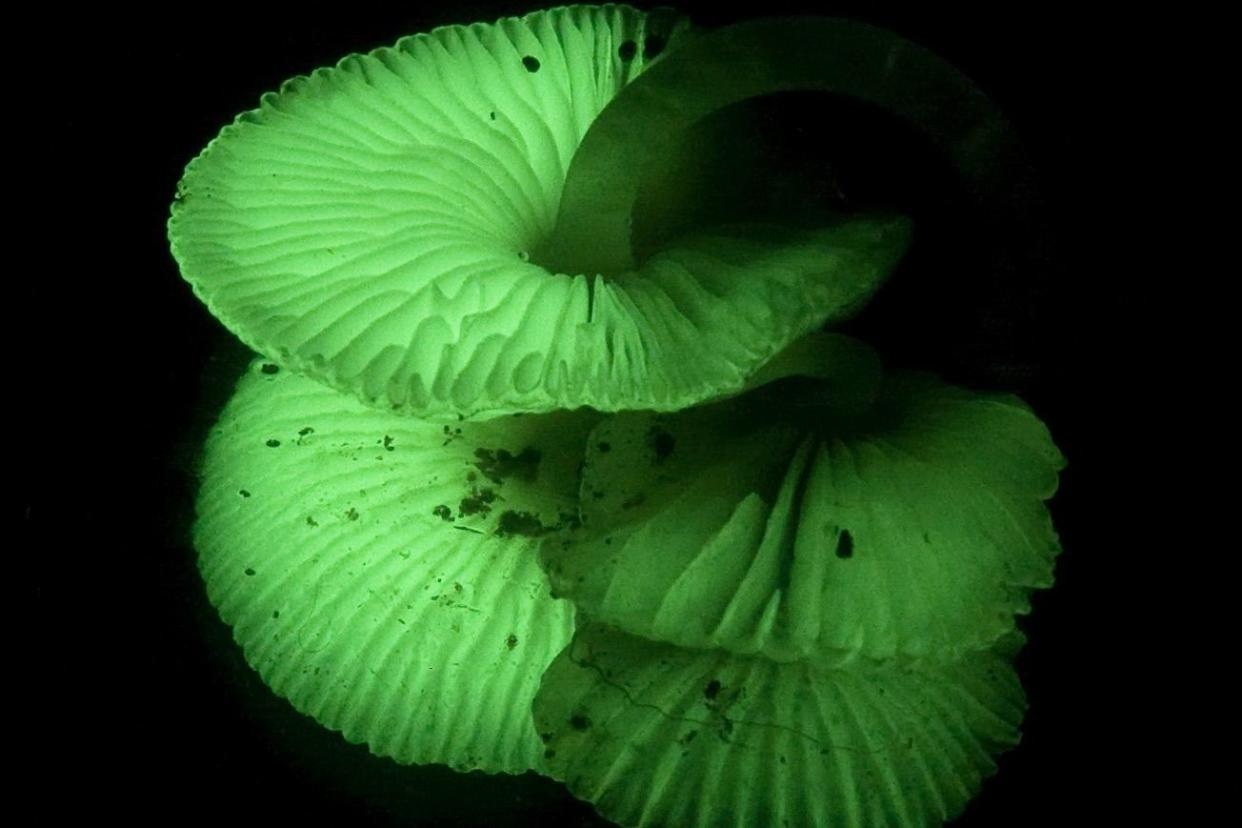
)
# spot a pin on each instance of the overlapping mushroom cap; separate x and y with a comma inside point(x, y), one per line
point(371, 225)
point(379, 571)
point(782, 526)
point(799, 590)
point(660, 735)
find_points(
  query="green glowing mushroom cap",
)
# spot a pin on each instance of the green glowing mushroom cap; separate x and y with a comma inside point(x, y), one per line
point(379, 571)
point(372, 226)
point(778, 524)
point(660, 735)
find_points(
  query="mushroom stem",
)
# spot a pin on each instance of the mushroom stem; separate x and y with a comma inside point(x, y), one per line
point(707, 72)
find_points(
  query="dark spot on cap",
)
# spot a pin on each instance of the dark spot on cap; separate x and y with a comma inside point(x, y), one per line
point(269, 368)
point(549, 753)
point(352, 514)
point(302, 432)
point(926, 538)
point(492, 115)
point(388, 443)
point(661, 442)
point(627, 50)
point(519, 523)
point(845, 544)
point(531, 63)
point(652, 46)
point(712, 690)
point(275, 613)
point(545, 737)
point(511, 641)
point(249, 571)
point(243, 493)
point(443, 512)
point(272, 443)
point(479, 502)
point(604, 448)
point(579, 722)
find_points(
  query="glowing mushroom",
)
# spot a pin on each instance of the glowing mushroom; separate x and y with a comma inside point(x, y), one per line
point(390, 227)
point(776, 613)
point(787, 525)
point(379, 571)
point(794, 611)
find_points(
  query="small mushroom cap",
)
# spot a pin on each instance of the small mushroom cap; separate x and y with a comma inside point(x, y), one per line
point(653, 734)
point(779, 525)
point(372, 226)
point(379, 571)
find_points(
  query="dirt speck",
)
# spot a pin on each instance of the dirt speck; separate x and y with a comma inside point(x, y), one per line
point(499, 465)
point(845, 545)
point(519, 523)
point(661, 444)
point(478, 502)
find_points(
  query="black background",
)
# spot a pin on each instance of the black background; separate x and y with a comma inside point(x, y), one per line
point(143, 709)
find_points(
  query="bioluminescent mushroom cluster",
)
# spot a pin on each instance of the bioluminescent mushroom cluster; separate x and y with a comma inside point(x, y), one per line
point(506, 492)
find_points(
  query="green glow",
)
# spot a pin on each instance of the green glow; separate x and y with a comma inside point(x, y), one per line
point(373, 226)
point(659, 735)
point(369, 224)
point(788, 604)
point(379, 571)
point(779, 525)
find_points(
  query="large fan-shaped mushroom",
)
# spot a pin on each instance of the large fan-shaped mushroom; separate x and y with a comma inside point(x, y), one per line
point(390, 226)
